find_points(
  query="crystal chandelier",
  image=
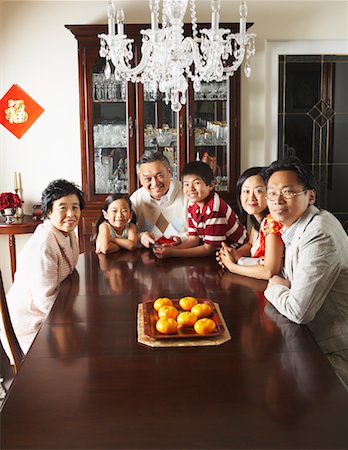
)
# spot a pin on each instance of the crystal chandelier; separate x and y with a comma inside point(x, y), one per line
point(168, 59)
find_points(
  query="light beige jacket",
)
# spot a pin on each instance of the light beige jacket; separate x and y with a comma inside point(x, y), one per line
point(317, 267)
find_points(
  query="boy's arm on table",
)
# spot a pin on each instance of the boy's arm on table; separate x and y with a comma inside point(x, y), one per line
point(189, 247)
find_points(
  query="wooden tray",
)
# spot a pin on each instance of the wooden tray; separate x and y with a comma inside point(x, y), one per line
point(151, 317)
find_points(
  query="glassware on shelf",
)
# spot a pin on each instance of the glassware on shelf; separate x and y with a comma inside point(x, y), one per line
point(149, 136)
point(219, 130)
point(203, 137)
point(107, 178)
point(103, 171)
point(212, 91)
point(110, 135)
point(151, 93)
point(165, 136)
point(108, 90)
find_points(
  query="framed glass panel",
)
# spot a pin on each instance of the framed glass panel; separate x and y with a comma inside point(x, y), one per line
point(160, 127)
point(110, 135)
point(211, 130)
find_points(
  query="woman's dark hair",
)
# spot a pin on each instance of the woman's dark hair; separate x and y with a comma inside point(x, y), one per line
point(242, 214)
point(56, 190)
point(295, 165)
point(109, 199)
point(200, 169)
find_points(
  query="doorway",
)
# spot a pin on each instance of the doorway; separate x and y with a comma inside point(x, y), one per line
point(313, 122)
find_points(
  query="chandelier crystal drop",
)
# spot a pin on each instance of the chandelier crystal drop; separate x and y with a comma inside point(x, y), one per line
point(168, 58)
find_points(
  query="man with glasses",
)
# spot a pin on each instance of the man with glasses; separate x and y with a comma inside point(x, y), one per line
point(160, 205)
point(314, 290)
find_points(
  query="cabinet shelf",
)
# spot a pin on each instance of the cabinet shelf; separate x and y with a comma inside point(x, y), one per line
point(109, 101)
point(210, 99)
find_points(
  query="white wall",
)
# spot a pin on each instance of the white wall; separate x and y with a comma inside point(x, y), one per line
point(40, 54)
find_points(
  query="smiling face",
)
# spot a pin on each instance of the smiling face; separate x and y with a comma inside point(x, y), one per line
point(253, 196)
point(195, 189)
point(118, 213)
point(65, 213)
point(155, 178)
point(287, 211)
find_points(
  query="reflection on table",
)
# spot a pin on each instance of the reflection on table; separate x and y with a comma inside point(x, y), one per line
point(87, 381)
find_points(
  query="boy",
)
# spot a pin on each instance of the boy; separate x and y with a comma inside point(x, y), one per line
point(210, 219)
point(314, 288)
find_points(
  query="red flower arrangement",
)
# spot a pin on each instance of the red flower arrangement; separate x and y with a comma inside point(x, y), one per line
point(9, 200)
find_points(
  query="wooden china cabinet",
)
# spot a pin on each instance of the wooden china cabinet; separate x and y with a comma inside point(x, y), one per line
point(119, 121)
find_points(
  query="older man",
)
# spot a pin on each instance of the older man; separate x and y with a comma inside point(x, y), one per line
point(314, 290)
point(159, 204)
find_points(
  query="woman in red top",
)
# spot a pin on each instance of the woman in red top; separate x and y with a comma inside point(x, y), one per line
point(262, 256)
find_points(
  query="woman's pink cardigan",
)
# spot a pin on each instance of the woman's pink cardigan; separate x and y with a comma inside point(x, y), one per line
point(46, 260)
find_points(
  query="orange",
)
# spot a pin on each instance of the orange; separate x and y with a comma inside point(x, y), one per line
point(162, 301)
point(168, 311)
point(166, 325)
point(186, 319)
point(186, 303)
point(204, 326)
point(201, 310)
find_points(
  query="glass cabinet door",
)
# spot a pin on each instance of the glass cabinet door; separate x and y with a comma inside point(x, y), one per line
point(209, 122)
point(110, 133)
point(159, 127)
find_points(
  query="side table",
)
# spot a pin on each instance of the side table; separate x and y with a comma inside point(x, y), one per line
point(24, 225)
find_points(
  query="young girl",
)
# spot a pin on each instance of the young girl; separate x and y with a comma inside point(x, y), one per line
point(115, 228)
point(265, 245)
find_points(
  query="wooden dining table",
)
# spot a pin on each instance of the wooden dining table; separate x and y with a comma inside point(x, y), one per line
point(87, 383)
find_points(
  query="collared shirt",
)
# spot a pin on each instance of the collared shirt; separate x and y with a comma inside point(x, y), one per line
point(164, 217)
point(216, 223)
point(289, 233)
point(164, 199)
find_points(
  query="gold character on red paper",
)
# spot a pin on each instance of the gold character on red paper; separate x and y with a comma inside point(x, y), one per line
point(15, 113)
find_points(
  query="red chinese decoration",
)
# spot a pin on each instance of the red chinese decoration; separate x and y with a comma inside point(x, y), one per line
point(18, 111)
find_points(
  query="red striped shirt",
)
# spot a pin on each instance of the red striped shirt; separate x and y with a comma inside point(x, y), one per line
point(216, 223)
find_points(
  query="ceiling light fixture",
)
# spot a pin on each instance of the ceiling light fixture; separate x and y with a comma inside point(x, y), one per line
point(168, 58)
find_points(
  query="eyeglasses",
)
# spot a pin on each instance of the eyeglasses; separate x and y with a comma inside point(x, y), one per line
point(288, 194)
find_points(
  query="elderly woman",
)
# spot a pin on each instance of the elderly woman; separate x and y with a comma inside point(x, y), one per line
point(49, 256)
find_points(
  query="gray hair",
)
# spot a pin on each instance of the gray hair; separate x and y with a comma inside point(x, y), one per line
point(150, 157)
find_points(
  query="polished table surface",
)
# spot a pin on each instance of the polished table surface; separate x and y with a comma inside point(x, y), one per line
point(87, 383)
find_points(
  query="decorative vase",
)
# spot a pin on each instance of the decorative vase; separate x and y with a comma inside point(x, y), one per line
point(9, 213)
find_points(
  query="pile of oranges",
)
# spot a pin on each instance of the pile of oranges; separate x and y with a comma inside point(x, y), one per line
point(194, 315)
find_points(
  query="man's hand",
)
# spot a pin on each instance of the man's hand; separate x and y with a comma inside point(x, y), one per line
point(147, 239)
point(162, 251)
point(276, 279)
